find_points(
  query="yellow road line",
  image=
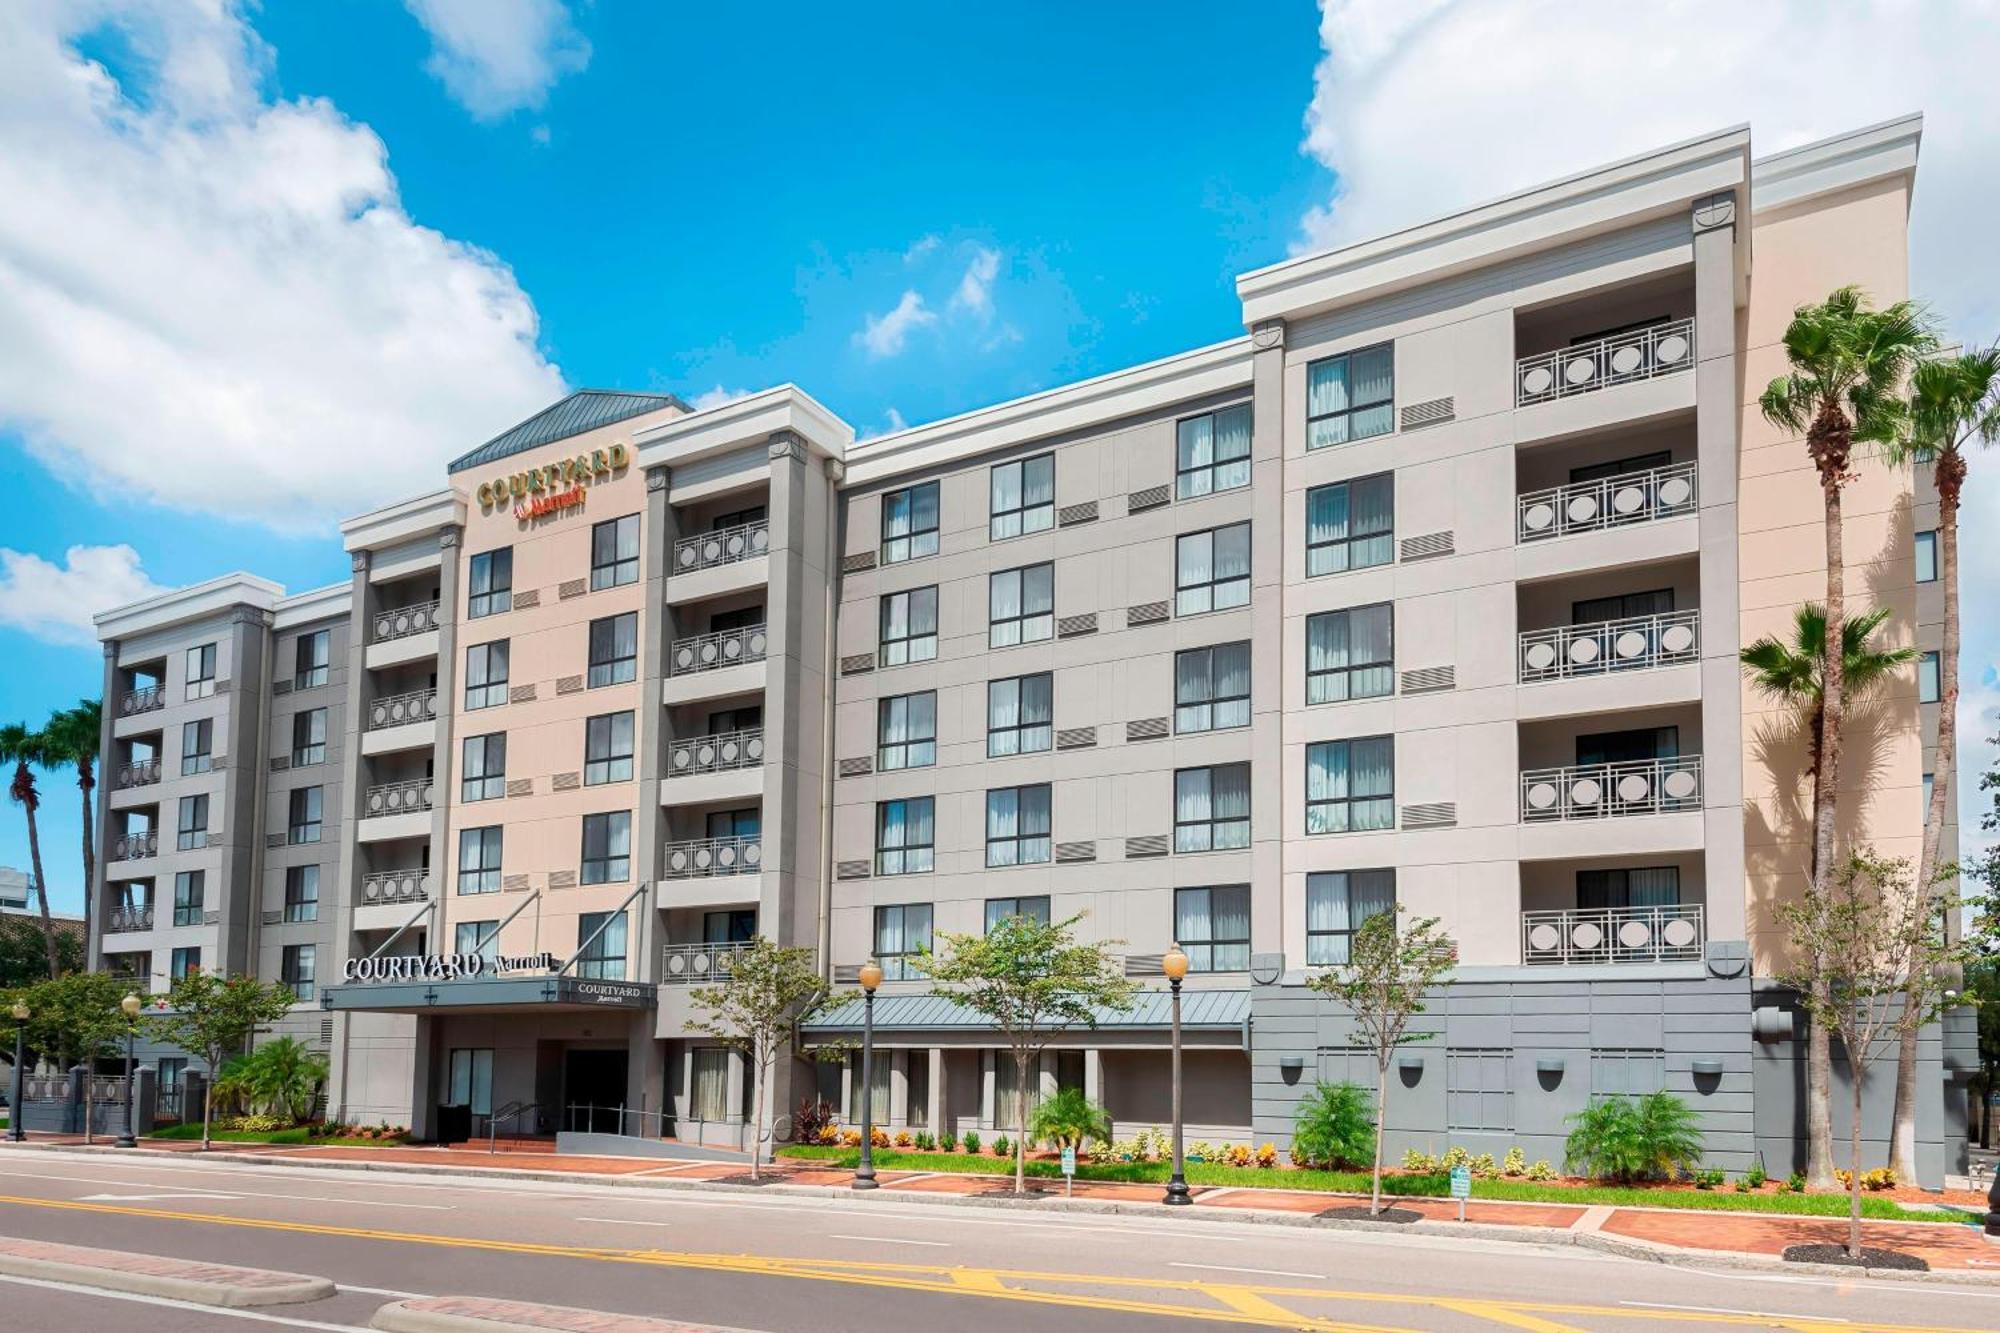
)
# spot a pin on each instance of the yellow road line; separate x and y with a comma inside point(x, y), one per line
point(1512, 1317)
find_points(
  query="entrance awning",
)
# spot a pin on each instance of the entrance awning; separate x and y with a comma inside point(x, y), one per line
point(490, 993)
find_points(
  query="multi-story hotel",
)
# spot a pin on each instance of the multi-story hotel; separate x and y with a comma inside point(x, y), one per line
point(1427, 591)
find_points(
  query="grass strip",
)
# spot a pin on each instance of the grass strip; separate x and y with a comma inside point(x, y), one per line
point(296, 1134)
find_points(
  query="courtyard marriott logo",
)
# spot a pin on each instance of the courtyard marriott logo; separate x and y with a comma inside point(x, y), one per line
point(444, 967)
point(555, 488)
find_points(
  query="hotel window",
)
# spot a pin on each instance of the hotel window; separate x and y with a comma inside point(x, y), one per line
point(910, 523)
point(479, 860)
point(1351, 654)
point(607, 848)
point(312, 654)
point(737, 518)
point(1035, 909)
point(614, 553)
point(711, 1084)
point(909, 627)
point(1351, 525)
point(1017, 825)
point(1020, 715)
point(1351, 397)
point(193, 827)
point(301, 894)
point(1337, 903)
point(904, 836)
point(471, 1078)
point(724, 721)
point(307, 807)
point(601, 938)
point(171, 1069)
point(880, 1076)
point(189, 889)
point(295, 971)
point(1212, 926)
point(1479, 1092)
point(1212, 452)
point(1014, 1104)
point(1212, 570)
point(1927, 556)
point(490, 582)
point(1212, 688)
point(906, 731)
point(485, 768)
point(1930, 785)
point(309, 737)
point(901, 933)
point(607, 749)
point(1645, 886)
point(480, 937)
point(1930, 685)
point(614, 649)
point(1351, 785)
point(745, 823)
point(1023, 497)
point(197, 744)
point(1212, 808)
point(486, 675)
point(1021, 606)
point(183, 963)
point(734, 925)
point(201, 671)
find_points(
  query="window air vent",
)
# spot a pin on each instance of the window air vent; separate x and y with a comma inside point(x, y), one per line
point(1076, 738)
point(572, 588)
point(1138, 502)
point(1152, 845)
point(326, 1031)
point(280, 762)
point(514, 883)
point(1071, 627)
point(562, 879)
point(273, 918)
point(521, 694)
point(1146, 613)
point(1146, 729)
point(564, 782)
point(1428, 546)
point(1429, 680)
point(852, 870)
point(520, 786)
point(1071, 515)
point(1069, 853)
point(857, 663)
point(857, 768)
point(524, 601)
point(1433, 413)
point(1143, 964)
point(1435, 814)
point(846, 974)
point(211, 918)
point(858, 563)
point(274, 840)
point(569, 684)
point(281, 687)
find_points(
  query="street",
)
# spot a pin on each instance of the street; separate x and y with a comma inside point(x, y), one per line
point(785, 1264)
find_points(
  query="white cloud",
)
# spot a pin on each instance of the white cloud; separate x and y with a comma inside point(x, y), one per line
point(975, 289)
point(499, 56)
point(218, 303)
point(924, 245)
point(885, 335)
point(55, 602)
point(716, 397)
point(896, 421)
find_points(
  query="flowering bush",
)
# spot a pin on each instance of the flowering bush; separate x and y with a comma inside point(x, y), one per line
point(1881, 1178)
point(1267, 1156)
point(1455, 1157)
point(878, 1136)
point(1239, 1154)
point(850, 1138)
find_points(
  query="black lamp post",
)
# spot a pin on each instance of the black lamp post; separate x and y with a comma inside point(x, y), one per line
point(131, 1005)
point(1175, 964)
point(16, 1129)
point(871, 977)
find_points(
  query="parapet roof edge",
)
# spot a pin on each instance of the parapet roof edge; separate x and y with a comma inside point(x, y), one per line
point(1840, 162)
point(314, 603)
point(744, 421)
point(403, 520)
point(191, 602)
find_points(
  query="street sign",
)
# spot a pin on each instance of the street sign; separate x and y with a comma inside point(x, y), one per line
point(1068, 1169)
point(1461, 1187)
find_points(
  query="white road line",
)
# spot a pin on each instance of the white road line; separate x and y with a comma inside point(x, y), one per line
point(209, 1195)
point(1754, 1314)
point(891, 1240)
point(1260, 1272)
point(197, 1192)
point(626, 1221)
point(385, 1291)
point(261, 1316)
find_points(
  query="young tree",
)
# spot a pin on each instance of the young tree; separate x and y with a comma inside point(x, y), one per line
point(73, 736)
point(1861, 950)
point(1031, 980)
point(1848, 363)
point(74, 1019)
point(769, 991)
point(1954, 401)
point(26, 751)
point(214, 1016)
point(1392, 965)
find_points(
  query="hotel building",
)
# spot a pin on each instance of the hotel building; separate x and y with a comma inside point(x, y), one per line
point(1428, 590)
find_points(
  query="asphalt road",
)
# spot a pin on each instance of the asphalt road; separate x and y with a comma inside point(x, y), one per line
point(810, 1265)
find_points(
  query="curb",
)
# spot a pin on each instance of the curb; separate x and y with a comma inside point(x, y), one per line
point(1631, 1247)
point(125, 1271)
point(456, 1314)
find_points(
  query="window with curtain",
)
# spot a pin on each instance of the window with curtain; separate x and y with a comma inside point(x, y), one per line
point(902, 932)
point(483, 767)
point(734, 925)
point(607, 749)
point(184, 963)
point(903, 836)
point(190, 887)
point(906, 731)
point(1620, 467)
point(1023, 497)
point(479, 860)
point(1017, 825)
point(1648, 886)
point(1021, 605)
point(1351, 785)
point(1927, 556)
point(1628, 747)
point(201, 671)
point(1351, 397)
point(880, 1074)
point(607, 848)
point(910, 523)
point(1337, 903)
point(1034, 909)
point(480, 937)
point(301, 894)
point(1014, 1102)
point(1351, 525)
point(309, 737)
point(602, 958)
point(486, 674)
point(197, 746)
point(723, 721)
point(470, 1075)
point(1212, 452)
point(614, 649)
point(1212, 808)
point(1212, 688)
point(1930, 682)
point(1351, 654)
point(298, 967)
point(909, 627)
point(1020, 715)
point(489, 581)
point(614, 552)
point(711, 1085)
point(745, 823)
point(1623, 606)
point(1212, 926)
point(312, 654)
point(192, 831)
point(1212, 570)
point(308, 805)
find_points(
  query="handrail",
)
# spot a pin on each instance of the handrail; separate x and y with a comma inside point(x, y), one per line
point(143, 699)
point(513, 1110)
point(697, 858)
point(1642, 354)
point(713, 651)
point(400, 622)
point(396, 798)
point(717, 753)
point(1603, 646)
point(1607, 502)
point(1599, 791)
point(139, 773)
point(395, 710)
point(1663, 933)
point(724, 546)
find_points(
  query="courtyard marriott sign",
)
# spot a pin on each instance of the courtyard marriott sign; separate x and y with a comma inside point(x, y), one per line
point(554, 488)
point(445, 966)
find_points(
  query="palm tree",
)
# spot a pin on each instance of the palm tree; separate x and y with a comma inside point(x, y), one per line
point(1848, 363)
point(27, 751)
point(73, 735)
point(1953, 401)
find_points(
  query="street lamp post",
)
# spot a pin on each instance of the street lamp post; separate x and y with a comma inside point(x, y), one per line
point(16, 1128)
point(1175, 964)
point(871, 977)
point(131, 1005)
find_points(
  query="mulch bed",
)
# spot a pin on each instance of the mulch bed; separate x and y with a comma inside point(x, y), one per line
point(747, 1179)
point(1870, 1257)
point(1361, 1214)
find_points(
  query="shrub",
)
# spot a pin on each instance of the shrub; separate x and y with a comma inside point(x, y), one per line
point(1484, 1167)
point(878, 1136)
point(903, 1139)
point(1335, 1126)
point(1239, 1155)
point(850, 1138)
point(1710, 1177)
point(1881, 1178)
point(813, 1118)
point(1003, 1146)
point(1417, 1160)
point(948, 1142)
point(924, 1141)
point(1624, 1139)
point(1541, 1170)
point(1068, 1120)
point(1267, 1156)
point(1455, 1157)
point(1201, 1150)
point(1754, 1178)
point(1155, 1145)
point(972, 1140)
point(257, 1124)
point(1795, 1183)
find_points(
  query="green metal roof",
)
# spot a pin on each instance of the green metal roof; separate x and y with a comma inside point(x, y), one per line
point(584, 410)
point(1150, 1009)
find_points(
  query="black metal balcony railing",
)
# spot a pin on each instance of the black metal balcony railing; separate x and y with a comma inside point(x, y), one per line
point(141, 773)
point(142, 700)
point(133, 846)
point(127, 918)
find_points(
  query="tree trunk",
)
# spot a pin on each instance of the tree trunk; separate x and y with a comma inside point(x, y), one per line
point(41, 884)
point(1829, 443)
point(757, 1077)
point(1021, 1127)
point(1854, 1167)
point(1819, 1047)
point(89, 1103)
point(1381, 1104)
point(207, 1103)
point(86, 781)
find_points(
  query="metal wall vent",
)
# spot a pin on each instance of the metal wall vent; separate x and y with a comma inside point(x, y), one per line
point(1069, 853)
point(1428, 546)
point(527, 601)
point(281, 687)
point(1071, 515)
point(520, 786)
point(569, 685)
point(1429, 680)
point(273, 918)
point(274, 840)
point(857, 663)
point(521, 694)
point(1146, 613)
point(280, 762)
point(211, 918)
point(572, 588)
point(562, 879)
point(846, 974)
point(1076, 738)
point(1071, 627)
point(1151, 845)
point(1138, 502)
point(1143, 964)
point(565, 782)
point(857, 768)
point(1435, 814)
point(325, 1031)
point(1146, 729)
point(1433, 413)
point(858, 563)
point(514, 883)
point(852, 870)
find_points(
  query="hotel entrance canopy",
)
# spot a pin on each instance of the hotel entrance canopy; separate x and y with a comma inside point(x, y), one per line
point(489, 994)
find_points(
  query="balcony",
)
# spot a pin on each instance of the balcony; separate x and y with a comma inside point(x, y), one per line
point(709, 550)
point(1609, 502)
point(698, 858)
point(135, 846)
point(123, 919)
point(1634, 644)
point(1611, 791)
point(716, 754)
point(141, 773)
point(696, 964)
point(389, 888)
point(404, 622)
point(142, 700)
point(400, 710)
point(396, 798)
point(713, 652)
point(1586, 935)
point(1624, 358)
